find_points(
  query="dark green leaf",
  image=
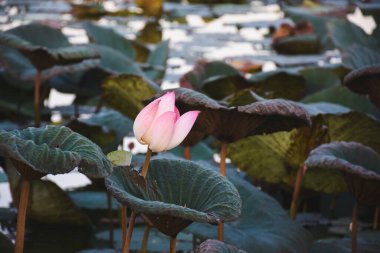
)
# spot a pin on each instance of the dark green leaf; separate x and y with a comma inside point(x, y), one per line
point(298, 44)
point(54, 150)
point(215, 246)
point(318, 79)
point(157, 60)
point(263, 226)
point(176, 193)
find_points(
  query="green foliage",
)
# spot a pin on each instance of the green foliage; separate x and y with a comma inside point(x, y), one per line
point(298, 44)
point(215, 246)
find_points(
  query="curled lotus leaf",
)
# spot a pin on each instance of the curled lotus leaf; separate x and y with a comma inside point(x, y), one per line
point(299, 44)
point(175, 194)
point(229, 124)
point(358, 163)
point(276, 157)
point(215, 246)
point(53, 150)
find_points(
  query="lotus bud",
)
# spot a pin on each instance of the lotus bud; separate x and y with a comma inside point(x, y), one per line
point(160, 125)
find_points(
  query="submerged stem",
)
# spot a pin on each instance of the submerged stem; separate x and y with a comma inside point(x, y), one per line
point(221, 232)
point(296, 192)
point(376, 218)
point(23, 204)
point(131, 224)
point(354, 229)
point(223, 156)
point(37, 84)
point(187, 152)
point(144, 245)
point(173, 242)
point(144, 170)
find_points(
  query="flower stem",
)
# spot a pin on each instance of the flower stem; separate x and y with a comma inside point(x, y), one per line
point(110, 217)
point(221, 232)
point(187, 153)
point(144, 245)
point(131, 224)
point(23, 204)
point(376, 218)
point(123, 225)
point(173, 242)
point(37, 84)
point(354, 228)
point(296, 192)
point(144, 170)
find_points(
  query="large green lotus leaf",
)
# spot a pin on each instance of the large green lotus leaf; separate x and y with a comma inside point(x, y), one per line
point(318, 78)
point(54, 150)
point(157, 61)
point(6, 245)
point(358, 163)
point(205, 70)
point(278, 84)
point(263, 225)
point(126, 93)
point(276, 157)
point(199, 151)
point(48, 204)
point(108, 37)
point(343, 96)
point(298, 44)
point(344, 34)
point(229, 124)
point(157, 241)
point(151, 33)
point(215, 246)
point(175, 194)
point(219, 87)
point(364, 78)
point(42, 57)
point(107, 129)
point(41, 35)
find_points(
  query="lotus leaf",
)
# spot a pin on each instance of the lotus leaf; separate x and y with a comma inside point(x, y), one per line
point(229, 124)
point(276, 157)
point(157, 61)
point(215, 246)
point(299, 44)
point(358, 163)
point(53, 150)
point(126, 93)
point(175, 194)
point(263, 226)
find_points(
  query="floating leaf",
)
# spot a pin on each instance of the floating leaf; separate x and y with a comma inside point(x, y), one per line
point(263, 226)
point(151, 33)
point(318, 79)
point(53, 150)
point(276, 157)
point(126, 93)
point(358, 163)
point(344, 34)
point(108, 37)
point(299, 44)
point(215, 246)
point(120, 158)
point(175, 194)
point(229, 124)
point(157, 61)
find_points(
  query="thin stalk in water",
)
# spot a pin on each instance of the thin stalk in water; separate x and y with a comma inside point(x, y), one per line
point(173, 242)
point(187, 152)
point(144, 245)
point(376, 218)
point(123, 225)
point(23, 204)
point(296, 192)
point(131, 224)
point(37, 84)
point(354, 229)
point(222, 169)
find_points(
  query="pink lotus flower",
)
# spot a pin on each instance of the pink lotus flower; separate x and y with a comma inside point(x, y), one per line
point(160, 125)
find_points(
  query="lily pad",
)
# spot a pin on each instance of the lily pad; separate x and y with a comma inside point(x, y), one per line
point(126, 93)
point(358, 56)
point(276, 157)
point(108, 37)
point(157, 61)
point(175, 194)
point(229, 124)
point(318, 78)
point(53, 150)
point(358, 163)
point(298, 44)
point(107, 128)
point(263, 226)
point(215, 246)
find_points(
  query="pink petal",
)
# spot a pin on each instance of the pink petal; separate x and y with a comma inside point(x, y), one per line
point(177, 113)
point(167, 104)
point(144, 119)
point(182, 128)
point(161, 132)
